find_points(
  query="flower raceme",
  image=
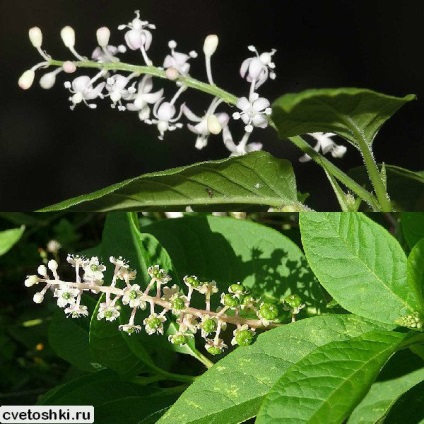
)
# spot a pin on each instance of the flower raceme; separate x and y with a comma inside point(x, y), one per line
point(128, 90)
point(238, 307)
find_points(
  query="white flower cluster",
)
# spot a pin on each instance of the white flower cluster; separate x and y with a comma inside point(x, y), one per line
point(128, 92)
point(89, 275)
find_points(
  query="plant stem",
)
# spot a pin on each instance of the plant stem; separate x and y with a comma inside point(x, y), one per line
point(336, 172)
point(156, 72)
point(373, 172)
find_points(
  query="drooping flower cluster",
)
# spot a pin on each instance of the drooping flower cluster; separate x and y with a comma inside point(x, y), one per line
point(135, 93)
point(238, 307)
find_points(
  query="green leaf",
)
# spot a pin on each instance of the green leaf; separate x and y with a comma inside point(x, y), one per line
point(112, 397)
point(409, 408)
point(9, 238)
point(382, 396)
point(253, 179)
point(349, 112)
point(405, 188)
point(412, 224)
point(233, 389)
point(328, 383)
point(415, 272)
point(74, 347)
point(230, 250)
point(359, 263)
point(109, 349)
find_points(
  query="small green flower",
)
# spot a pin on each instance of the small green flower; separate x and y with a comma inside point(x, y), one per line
point(209, 325)
point(293, 300)
point(178, 339)
point(268, 311)
point(192, 281)
point(213, 350)
point(177, 304)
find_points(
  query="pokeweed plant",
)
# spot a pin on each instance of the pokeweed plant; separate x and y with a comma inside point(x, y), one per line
point(249, 176)
point(332, 332)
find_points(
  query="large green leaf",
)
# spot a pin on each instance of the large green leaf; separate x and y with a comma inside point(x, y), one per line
point(328, 383)
point(359, 263)
point(114, 399)
point(74, 347)
point(412, 224)
point(229, 250)
point(415, 272)
point(405, 188)
point(382, 396)
point(253, 179)
point(353, 113)
point(409, 408)
point(9, 238)
point(233, 389)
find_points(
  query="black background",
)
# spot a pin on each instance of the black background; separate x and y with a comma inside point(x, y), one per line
point(48, 153)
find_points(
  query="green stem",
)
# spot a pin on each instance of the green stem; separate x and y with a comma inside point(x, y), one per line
point(373, 172)
point(172, 376)
point(205, 361)
point(336, 172)
point(155, 72)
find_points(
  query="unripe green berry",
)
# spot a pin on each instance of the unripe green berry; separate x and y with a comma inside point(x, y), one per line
point(209, 325)
point(154, 322)
point(192, 281)
point(178, 304)
point(178, 339)
point(237, 288)
point(230, 300)
point(294, 300)
point(268, 311)
point(244, 337)
point(213, 350)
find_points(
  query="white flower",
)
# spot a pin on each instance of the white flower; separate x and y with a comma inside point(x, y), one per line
point(169, 292)
point(76, 310)
point(239, 149)
point(257, 69)
point(208, 288)
point(77, 261)
point(326, 145)
point(143, 97)
point(138, 37)
point(66, 295)
point(107, 54)
point(109, 312)
point(178, 60)
point(120, 261)
point(158, 274)
point(117, 91)
point(83, 90)
point(203, 127)
point(154, 324)
point(165, 117)
point(189, 322)
point(42, 270)
point(53, 246)
point(253, 111)
point(93, 270)
point(130, 328)
point(215, 343)
point(133, 296)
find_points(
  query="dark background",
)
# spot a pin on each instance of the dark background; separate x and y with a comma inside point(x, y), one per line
point(48, 153)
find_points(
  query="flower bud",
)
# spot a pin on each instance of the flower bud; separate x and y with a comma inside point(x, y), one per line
point(68, 36)
point(36, 37)
point(69, 67)
point(103, 35)
point(214, 126)
point(42, 270)
point(31, 280)
point(172, 74)
point(26, 79)
point(47, 80)
point(38, 297)
point(210, 45)
point(52, 265)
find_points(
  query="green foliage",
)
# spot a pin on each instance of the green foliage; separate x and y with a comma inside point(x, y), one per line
point(9, 238)
point(412, 227)
point(254, 179)
point(352, 362)
point(349, 112)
